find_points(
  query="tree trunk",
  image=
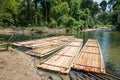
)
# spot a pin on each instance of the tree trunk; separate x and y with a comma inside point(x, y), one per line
point(46, 12)
point(119, 16)
point(28, 9)
point(36, 22)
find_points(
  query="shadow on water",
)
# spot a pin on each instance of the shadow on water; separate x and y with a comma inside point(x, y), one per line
point(25, 37)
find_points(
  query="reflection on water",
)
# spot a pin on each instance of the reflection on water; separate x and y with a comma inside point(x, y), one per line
point(109, 42)
point(25, 37)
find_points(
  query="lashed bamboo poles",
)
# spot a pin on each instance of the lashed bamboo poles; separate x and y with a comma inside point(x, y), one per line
point(45, 51)
point(63, 60)
point(44, 40)
point(90, 58)
point(43, 47)
point(56, 42)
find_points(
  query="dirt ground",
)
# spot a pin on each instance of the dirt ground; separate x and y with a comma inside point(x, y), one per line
point(15, 65)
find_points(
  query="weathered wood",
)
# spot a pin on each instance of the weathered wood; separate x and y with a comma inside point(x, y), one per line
point(43, 47)
point(90, 58)
point(44, 50)
point(85, 75)
point(62, 61)
point(43, 41)
point(78, 75)
point(94, 76)
point(73, 76)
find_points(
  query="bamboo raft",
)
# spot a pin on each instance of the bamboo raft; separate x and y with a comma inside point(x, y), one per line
point(63, 60)
point(45, 41)
point(43, 47)
point(45, 50)
point(90, 58)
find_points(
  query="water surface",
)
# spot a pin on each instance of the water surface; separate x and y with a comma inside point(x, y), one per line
point(110, 46)
point(109, 42)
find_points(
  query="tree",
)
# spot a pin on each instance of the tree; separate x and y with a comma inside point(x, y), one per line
point(9, 12)
point(75, 9)
point(111, 3)
point(72, 14)
point(116, 14)
point(59, 10)
point(103, 5)
point(95, 9)
point(87, 4)
point(36, 15)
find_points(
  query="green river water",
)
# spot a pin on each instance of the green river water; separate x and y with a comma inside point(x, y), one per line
point(109, 42)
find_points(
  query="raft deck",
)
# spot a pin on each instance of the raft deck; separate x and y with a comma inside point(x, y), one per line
point(90, 58)
point(45, 50)
point(63, 60)
point(45, 41)
point(43, 47)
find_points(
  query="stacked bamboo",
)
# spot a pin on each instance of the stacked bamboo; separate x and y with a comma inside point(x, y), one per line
point(63, 60)
point(90, 58)
point(44, 41)
point(45, 50)
point(43, 47)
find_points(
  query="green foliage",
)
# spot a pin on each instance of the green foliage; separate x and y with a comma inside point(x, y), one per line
point(116, 15)
point(95, 9)
point(13, 27)
point(75, 9)
point(87, 4)
point(104, 18)
point(53, 23)
point(63, 20)
point(8, 45)
point(7, 19)
point(103, 5)
point(98, 22)
point(81, 24)
point(37, 28)
point(59, 10)
point(74, 15)
point(10, 11)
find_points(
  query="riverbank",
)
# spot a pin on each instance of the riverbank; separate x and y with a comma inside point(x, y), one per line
point(16, 65)
point(11, 56)
point(37, 30)
point(32, 30)
point(86, 30)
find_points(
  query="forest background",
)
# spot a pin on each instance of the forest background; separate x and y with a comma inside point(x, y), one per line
point(72, 15)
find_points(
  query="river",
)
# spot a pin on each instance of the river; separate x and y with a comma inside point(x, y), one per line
point(109, 42)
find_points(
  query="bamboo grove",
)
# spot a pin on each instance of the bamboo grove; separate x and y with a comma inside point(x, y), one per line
point(68, 14)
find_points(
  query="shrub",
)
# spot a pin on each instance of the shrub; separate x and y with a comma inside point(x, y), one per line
point(53, 23)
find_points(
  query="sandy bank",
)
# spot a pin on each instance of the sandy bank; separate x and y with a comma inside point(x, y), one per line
point(15, 65)
point(86, 30)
